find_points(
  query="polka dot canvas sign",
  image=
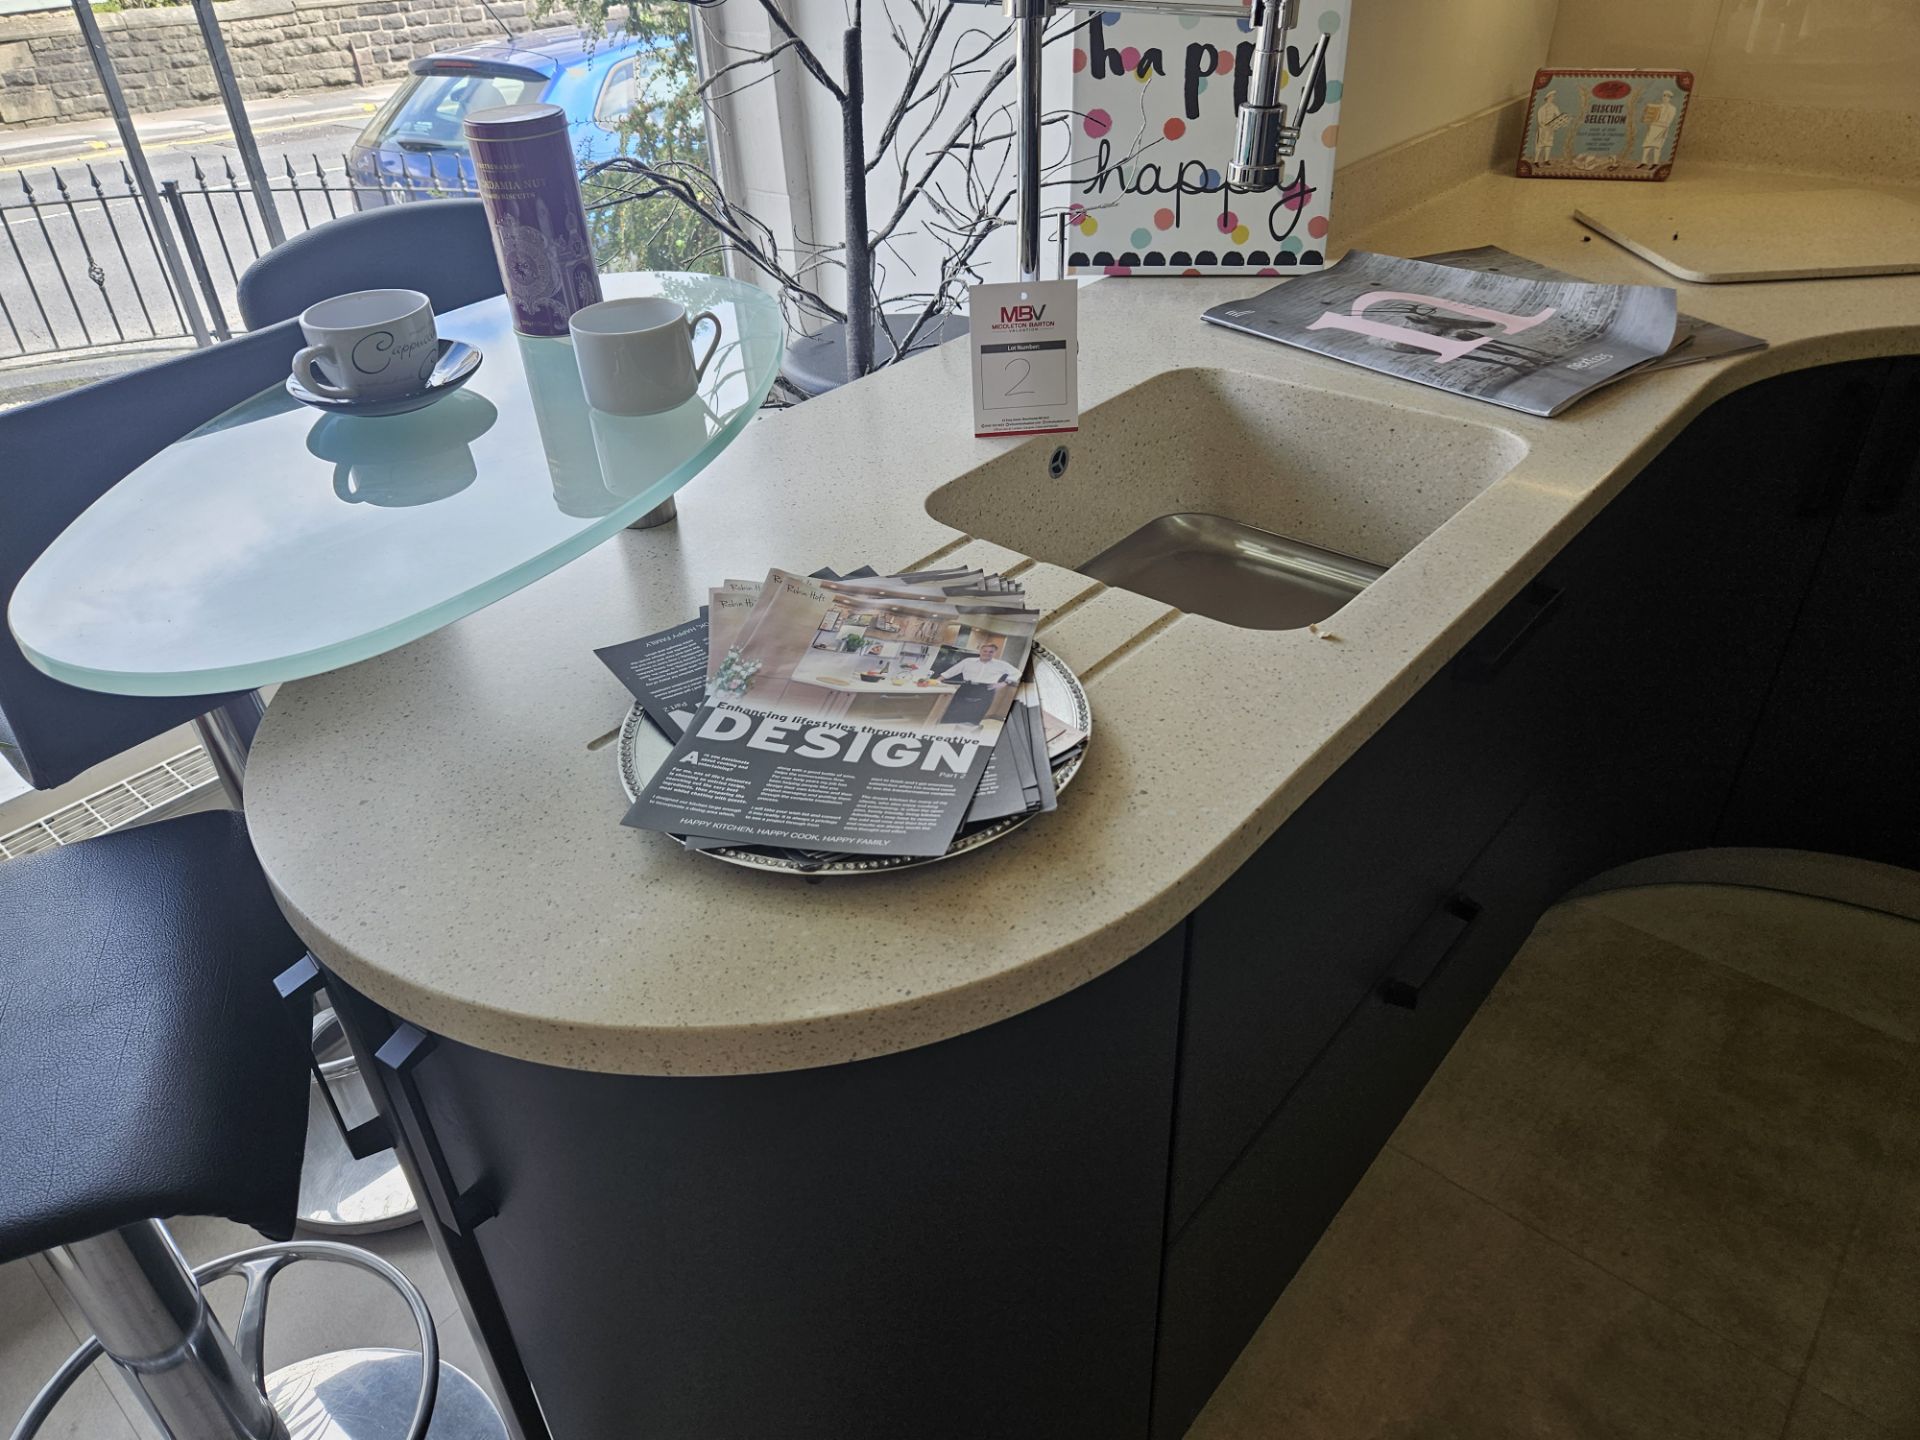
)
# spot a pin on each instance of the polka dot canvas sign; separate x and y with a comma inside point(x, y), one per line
point(1154, 99)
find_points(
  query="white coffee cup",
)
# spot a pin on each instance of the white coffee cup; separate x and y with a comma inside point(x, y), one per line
point(636, 355)
point(374, 345)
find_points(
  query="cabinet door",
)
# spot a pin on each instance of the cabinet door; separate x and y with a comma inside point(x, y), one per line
point(1285, 949)
point(1679, 599)
point(1835, 764)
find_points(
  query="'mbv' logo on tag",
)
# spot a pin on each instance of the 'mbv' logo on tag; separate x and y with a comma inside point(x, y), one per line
point(1021, 314)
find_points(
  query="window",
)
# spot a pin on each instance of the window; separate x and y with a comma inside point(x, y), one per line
point(432, 108)
point(616, 97)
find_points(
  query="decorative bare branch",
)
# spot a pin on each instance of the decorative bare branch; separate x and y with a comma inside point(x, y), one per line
point(944, 138)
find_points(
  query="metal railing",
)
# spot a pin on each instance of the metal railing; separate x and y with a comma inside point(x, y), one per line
point(81, 268)
point(71, 276)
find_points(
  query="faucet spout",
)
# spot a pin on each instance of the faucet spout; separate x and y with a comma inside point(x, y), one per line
point(1264, 138)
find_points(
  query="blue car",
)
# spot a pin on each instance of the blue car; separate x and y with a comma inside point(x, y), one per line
point(416, 145)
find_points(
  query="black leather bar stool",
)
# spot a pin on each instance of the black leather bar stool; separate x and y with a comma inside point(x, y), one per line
point(149, 1065)
point(60, 455)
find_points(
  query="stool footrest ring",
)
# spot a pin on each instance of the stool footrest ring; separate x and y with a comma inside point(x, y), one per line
point(259, 1265)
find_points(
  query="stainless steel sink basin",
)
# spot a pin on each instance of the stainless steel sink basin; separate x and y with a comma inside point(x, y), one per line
point(1210, 565)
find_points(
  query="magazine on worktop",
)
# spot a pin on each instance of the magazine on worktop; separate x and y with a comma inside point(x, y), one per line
point(1529, 344)
point(1694, 339)
point(851, 716)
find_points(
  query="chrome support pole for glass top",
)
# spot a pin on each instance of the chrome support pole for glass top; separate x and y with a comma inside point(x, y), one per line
point(227, 734)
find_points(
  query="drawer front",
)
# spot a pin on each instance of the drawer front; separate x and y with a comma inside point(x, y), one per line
point(1230, 1263)
point(1286, 948)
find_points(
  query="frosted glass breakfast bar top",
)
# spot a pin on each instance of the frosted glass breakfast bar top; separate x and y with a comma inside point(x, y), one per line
point(276, 542)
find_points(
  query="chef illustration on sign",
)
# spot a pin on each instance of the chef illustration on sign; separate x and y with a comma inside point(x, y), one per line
point(1549, 121)
point(1659, 117)
point(979, 677)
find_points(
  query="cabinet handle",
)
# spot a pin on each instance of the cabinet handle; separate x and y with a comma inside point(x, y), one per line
point(1852, 416)
point(399, 1057)
point(298, 984)
point(1488, 652)
point(1428, 951)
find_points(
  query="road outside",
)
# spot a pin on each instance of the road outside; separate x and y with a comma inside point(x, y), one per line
point(48, 299)
point(286, 127)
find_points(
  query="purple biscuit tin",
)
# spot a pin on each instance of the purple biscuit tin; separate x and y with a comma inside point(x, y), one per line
point(527, 182)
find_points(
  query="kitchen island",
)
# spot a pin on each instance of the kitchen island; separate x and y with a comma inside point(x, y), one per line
point(1027, 1143)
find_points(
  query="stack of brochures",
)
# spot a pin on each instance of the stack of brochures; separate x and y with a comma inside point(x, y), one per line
point(821, 717)
point(1483, 323)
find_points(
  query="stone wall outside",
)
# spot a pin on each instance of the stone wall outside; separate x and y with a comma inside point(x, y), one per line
point(277, 47)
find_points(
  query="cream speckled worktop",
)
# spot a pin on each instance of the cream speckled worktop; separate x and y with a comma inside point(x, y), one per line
point(444, 831)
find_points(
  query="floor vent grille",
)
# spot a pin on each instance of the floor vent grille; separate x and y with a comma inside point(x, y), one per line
point(134, 798)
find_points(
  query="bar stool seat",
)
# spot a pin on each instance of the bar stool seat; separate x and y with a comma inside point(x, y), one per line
point(147, 1064)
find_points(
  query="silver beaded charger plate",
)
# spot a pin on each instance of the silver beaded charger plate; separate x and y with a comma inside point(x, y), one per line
point(643, 750)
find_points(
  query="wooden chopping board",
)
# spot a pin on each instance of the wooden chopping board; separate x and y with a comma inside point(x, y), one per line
point(1712, 238)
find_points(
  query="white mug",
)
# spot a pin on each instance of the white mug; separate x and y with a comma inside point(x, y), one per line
point(374, 345)
point(636, 355)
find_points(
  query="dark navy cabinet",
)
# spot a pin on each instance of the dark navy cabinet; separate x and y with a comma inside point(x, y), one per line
point(956, 1241)
point(1681, 596)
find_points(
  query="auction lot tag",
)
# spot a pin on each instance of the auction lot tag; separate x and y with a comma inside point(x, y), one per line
point(1026, 357)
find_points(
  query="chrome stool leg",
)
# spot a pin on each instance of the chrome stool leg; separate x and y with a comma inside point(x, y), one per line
point(149, 1316)
point(196, 1384)
point(339, 1193)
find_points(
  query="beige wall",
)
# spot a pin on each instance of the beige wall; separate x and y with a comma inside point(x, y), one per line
point(1852, 54)
point(1415, 65)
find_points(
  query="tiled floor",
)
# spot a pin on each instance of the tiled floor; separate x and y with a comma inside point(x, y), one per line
point(1666, 1185)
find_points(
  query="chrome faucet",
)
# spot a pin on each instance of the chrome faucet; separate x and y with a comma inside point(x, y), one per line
point(1265, 137)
